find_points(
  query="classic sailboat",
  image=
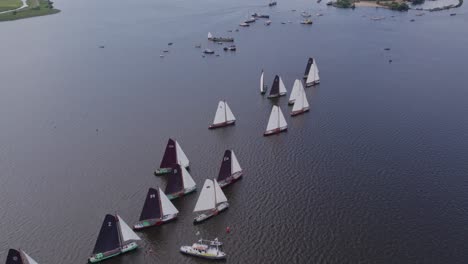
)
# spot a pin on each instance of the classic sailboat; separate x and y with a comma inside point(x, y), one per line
point(157, 210)
point(277, 89)
point(180, 183)
point(263, 86)
point(296, 90)
point(276, 123)
point(19, 257)
point(223, 117)
point(301, 105)
point(173, 155)
point(230, 170)
point(313, 77)
point(211, 201)
point(115, 238)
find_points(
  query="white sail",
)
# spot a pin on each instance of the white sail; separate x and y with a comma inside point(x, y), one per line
point(235, 166)
point(187, 179)
point(317, 77)
point(181, 157)
point(29, 260)
point(282, 88)
point(167, 207)
point(301, 102)
point(210, 36)
point(273, 121)
point(296, 90)
point(220, 197)
point(282, 120)
point(229, 115)
point(261, 83)
point(206, 200)
point(313, 76)
point(220, 116)
point(126, 232)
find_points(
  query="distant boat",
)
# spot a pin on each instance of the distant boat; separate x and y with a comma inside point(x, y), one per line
point(272, 3)
point(256, 15)
point(180, 183)
point(172, 155)
point(263, 86)
point(223, 117)
point(244, 25)
point(277, 89)
point(301, 105)
point(307, 22)
point(219, 39)
point(157, 210)
point(208, 51)
point(250, 20)
point(115, 238)
point(211, 201)
point(312, 73)
point(19, 257)
point(276, 123)
point(296, 90)
point(268, 22)
point(230, 170)
point(305, 14)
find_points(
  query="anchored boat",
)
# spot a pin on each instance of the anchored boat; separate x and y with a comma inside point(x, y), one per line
point(312, 73)
point(211, 201)
point(263, 86)
point(180, 183)
point(276, 123)
point(301, 105)
point(295, 91)
point(230, 170)
point(19, 257)
point(223, 117)
point(115, 238)
point(277, 89)
point(205, 249)
point(157, 210)
point(219, 39)
point(172, 155)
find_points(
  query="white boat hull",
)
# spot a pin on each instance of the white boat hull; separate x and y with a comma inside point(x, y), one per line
point(203, 217)
point(198, 253)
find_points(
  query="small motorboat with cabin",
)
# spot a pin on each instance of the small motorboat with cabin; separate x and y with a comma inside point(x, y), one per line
point(244, 25)
point(223, 117)
point(276, 122)
point(307, 22)
point(211, 201)
point(208, 51)
point(210, 249)
point(172, 155)
point(157, 210)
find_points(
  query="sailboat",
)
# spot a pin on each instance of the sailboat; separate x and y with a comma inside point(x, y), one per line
point(173, 155)
point(296, 90)
point(19, 257)
point(115, 238)
point(278, 88)
point(263, 86)
point(310, 61)
point(313, 77)
point(211, 201)
point(180, 183)
point(276, 123)
point(157, 210)
point(230, 170)
point(223, 117)
point(301, 105)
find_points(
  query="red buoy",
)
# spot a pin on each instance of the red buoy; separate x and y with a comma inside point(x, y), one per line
point(228, 229)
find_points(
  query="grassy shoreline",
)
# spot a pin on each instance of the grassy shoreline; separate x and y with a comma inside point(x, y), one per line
point(35, 8)
point(6, 5)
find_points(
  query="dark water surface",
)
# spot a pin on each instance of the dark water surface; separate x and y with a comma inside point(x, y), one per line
point(376, 172)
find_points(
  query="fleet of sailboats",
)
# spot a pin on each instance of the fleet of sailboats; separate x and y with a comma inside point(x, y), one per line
point(312, 73)
point(276, 123)
point(211, 201)
point(180, 183)
point(19, 257)
point(277, 89)
point(223, 117)
point(230, 170)
point(157, 210)
point(172, 155)
point(115, 238)
point(301, 105)
point(296, 90)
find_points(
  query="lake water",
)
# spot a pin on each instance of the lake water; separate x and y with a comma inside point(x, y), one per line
point(376, 172)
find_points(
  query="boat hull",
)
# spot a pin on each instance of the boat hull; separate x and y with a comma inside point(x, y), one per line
point(312, 83)
point(103, 256)
point(173, 196)
point(203, 217)
point(275, 131)
point(291, 102)
point(192, 252)
point(230, 180)
point(162, 171)
point(154, 222)
point(295, 113)
point(224, 124)
point(276, 95)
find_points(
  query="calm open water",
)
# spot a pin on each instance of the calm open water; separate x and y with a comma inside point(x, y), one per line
point(376, 172)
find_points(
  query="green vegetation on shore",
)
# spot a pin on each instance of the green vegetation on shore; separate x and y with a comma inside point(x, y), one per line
point(35, 8)
point(10, 4)
point(344, 3)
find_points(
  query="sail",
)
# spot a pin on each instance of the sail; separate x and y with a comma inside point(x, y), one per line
point(220, 116)
point(226, 165)
point(108, 238)
point(309, 63)
point(275, 87)
point(220, 197)
point(170, 155)
point(29, 259)
point(14, 257)
point(229, 115)
point(317, 77)
point(282, 88)
point(206, 200)
point(175, 183)
point(126, 232)
point(210, 36)
point(167, 207)
point(181, 157)
point(273, 121)
point(295, 91)
point(313, 76)
point(261, 83)
point(187, 179)
point(152, 206)
point(235, 163)
point(282, 120)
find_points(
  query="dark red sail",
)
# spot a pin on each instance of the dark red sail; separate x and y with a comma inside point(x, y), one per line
point(108, 238)
point(175, 183)
point(225, 170)
point(152, 207)
point(170, 155)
